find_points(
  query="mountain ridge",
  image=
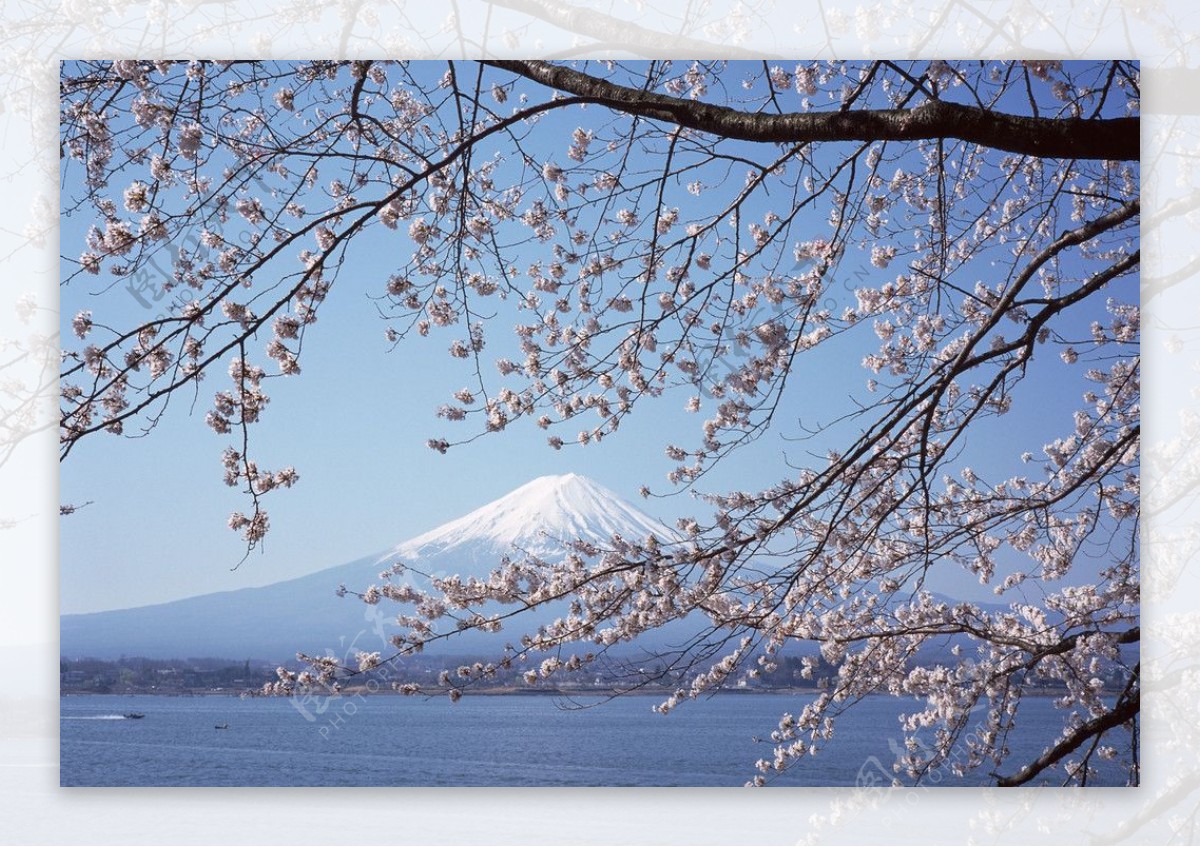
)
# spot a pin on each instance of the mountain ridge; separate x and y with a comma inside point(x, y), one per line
point(305, 614)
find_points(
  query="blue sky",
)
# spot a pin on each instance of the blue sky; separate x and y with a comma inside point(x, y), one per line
point(355, 423)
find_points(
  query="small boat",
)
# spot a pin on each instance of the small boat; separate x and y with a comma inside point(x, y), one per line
point(221, 726)
point(135, 716)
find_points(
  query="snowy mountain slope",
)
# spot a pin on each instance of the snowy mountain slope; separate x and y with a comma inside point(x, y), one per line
point(275, 621)
point(537, 518)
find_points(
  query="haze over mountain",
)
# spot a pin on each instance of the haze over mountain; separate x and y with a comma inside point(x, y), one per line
point(275, 621)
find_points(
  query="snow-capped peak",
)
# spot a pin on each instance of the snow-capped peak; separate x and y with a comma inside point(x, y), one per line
point(537, 518)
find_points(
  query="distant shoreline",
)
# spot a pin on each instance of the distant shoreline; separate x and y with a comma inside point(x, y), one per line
point(502, 691)
point(499, 691)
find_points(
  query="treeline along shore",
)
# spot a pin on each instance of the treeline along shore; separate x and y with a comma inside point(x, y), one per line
point(207, 676)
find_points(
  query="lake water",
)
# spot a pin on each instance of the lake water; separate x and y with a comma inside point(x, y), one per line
point(479, 741)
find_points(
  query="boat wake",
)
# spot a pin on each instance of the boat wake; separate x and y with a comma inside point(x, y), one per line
point(95, 717)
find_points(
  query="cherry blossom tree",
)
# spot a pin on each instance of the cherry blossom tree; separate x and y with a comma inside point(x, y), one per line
point(666, 227)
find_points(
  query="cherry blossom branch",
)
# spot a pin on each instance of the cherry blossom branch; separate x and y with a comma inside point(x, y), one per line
point(1125, 710)
point(1073, 138)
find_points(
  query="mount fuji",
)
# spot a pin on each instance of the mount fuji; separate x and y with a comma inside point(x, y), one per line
point(273, 622)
